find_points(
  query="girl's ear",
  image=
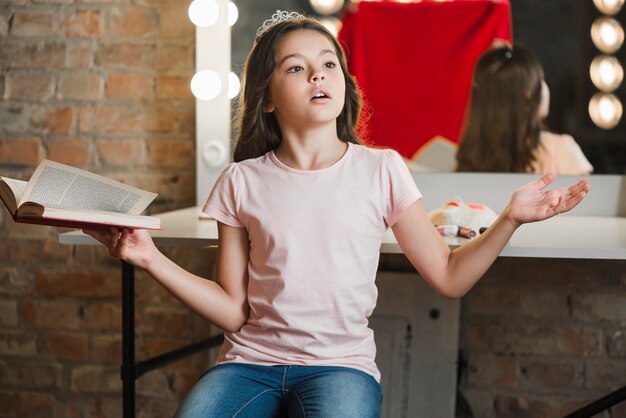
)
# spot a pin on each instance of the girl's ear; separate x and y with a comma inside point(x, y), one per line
point(269, 106)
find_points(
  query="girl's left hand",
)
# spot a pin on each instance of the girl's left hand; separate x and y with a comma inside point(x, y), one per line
point(530, 203)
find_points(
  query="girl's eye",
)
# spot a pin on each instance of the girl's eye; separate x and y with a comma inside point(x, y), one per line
point(295, 69)
point(330, 64)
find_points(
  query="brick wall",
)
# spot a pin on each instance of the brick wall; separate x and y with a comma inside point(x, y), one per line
point(102, 85)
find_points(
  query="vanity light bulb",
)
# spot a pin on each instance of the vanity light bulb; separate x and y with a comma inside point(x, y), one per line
point(206, 85)
point(606, 73)
point(233, 85)
point(204, 13)
point(333, 25)
point(605, 110)
point(326, 7)
point(233, 13)
point(609, 7)
point(607, 34)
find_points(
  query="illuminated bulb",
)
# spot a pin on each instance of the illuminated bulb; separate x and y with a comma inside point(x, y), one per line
point(206, 85)
point(609, 7)
point(204, 13)
point(607, 34)
point(332, 24)
point(606, 73)
point(605, 110)
point(326, 7)
point(233, 85)
point(233, 13)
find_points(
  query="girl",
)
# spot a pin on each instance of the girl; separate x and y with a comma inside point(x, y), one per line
point(504, 132)
point(301, 214)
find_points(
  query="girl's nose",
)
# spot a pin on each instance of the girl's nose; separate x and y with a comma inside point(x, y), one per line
point(318, 76)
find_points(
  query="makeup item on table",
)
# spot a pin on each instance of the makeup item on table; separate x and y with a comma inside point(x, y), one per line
point(455, 231)
point(482, 230)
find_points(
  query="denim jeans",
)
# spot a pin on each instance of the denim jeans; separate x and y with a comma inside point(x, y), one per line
point(252, 391)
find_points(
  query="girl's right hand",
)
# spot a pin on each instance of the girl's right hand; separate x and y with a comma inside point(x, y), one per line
point(133, 246)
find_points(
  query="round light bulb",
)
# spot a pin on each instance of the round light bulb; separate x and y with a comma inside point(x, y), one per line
point(326, 7)
point(206, 85)
point(233, 85)
point(204, 13)
point(605, 110)
point(609, 7)
point(233, 13)
point(332, 24)
point(606, 73)
point(607, 34)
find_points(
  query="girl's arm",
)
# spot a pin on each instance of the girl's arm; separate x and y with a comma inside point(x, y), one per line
point(222, 302)
point(453, 273)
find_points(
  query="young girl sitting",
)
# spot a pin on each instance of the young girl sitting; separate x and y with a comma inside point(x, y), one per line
point(503, 130)
point(301, 215)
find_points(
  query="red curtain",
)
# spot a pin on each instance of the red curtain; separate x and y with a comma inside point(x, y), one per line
point(413, 63)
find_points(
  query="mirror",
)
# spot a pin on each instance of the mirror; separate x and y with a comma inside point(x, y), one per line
point(556, 31)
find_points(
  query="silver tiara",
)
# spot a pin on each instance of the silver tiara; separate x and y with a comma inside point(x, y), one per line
point(278, 17)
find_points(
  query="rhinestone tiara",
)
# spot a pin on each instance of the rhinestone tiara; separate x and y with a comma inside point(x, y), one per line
point(278, 17)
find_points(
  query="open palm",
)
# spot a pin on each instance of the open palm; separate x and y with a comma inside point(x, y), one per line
point(531, 203)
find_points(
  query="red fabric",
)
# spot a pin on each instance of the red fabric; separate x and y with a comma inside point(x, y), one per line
point(414, 63)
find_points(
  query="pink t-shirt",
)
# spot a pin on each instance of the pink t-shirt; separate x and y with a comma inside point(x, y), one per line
point(315, 240)
point(561, 154)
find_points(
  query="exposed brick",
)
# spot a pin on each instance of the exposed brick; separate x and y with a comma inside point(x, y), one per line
point(531, 339)
point(83, 23)
point(29, 86)
point(153, 347)
point(173, 87)
point(103, 317)
point(175, 23)
point(552, 375)
point(534, 407)
point(80, 55)
point(578, 341)
point(121, 86)
point(80, 86)
point(160, 118)
point(14, 281)
point(101, 407)
point(493, 371)
point(52, 314)
point(599, 306)
point(32, 54)
point(67, 346)
point(174, 57)
point(125, 55)
point(32, 23)
point(170, 153)
point(119, 119)
point(64, 283)
point(107, 349)
point(166, 321)
point(72, 151)
point(157, 386)
point(616, 344)
point(120, 152)
point(4, 24)
point(18, 343)
point(16, 119)
point(27, 373)
point(43, 250)
point(604, 374)
point(8, 313)
point(59, 120)
point(23, 151)
point(95, 379)
point(133, 21)
point(156, 407)
point(86, 118)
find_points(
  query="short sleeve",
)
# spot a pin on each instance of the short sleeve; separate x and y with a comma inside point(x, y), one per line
point(222, 201)
point(402, 191)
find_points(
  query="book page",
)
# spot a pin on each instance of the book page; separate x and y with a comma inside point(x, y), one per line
point(61, 185)
point(17, 187)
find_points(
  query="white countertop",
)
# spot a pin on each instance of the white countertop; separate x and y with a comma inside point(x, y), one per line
point(576, 237)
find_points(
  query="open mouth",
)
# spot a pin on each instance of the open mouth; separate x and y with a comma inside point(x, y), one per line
point(320, 95)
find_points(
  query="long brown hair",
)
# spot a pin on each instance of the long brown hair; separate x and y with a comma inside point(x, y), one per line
point(503, 124)
point(258, 131)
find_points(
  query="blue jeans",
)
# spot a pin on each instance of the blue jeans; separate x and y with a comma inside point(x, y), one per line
point(253, 391)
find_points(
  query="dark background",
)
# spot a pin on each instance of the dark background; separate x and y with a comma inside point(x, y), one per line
point(557, 31)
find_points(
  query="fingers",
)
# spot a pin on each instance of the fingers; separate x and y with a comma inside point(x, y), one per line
point(544, 181)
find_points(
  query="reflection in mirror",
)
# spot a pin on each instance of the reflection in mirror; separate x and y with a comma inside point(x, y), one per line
point(564, 49)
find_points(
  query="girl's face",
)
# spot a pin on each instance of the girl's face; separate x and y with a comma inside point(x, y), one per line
point(544, 105)
point(307, 87)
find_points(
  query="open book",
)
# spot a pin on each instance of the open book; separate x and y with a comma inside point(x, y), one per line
point(62, 195)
